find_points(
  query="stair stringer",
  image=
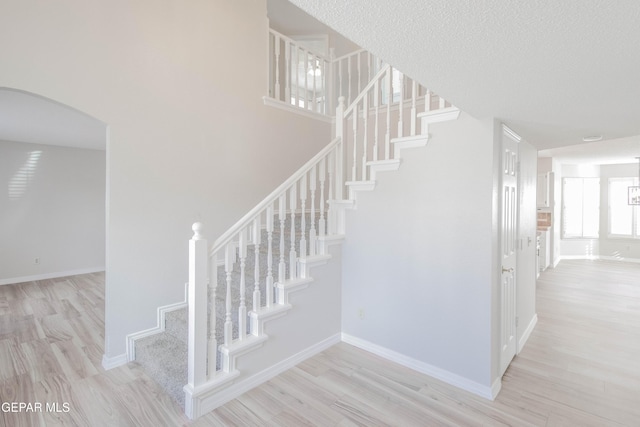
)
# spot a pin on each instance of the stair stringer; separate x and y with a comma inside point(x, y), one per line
point(400, 145)
point(279, 345)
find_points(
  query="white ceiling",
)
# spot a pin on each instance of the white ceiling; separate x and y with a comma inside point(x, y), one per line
point(25, 117)
point(554, 71)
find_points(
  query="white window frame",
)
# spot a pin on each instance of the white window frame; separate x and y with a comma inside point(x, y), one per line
point(563, 216)
point(635, 211)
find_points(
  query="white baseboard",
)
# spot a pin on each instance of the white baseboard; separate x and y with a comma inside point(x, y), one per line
point(496, 387)
point(615, 258)
point(450, 378)
point(55, 275)
point(160, 325)
point(527, 332)
point(114, 362)
point(598, 257)
point(205, 402)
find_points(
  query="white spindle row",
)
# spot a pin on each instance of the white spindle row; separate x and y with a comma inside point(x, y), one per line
point(381, 109)
point(352, 72)
point(301, 206)
point(299, 77)
point(286, 227)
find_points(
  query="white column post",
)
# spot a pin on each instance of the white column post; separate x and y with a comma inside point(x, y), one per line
point(197, 339)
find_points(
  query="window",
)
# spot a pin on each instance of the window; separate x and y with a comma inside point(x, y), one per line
point(580, 207)
point(624, 219)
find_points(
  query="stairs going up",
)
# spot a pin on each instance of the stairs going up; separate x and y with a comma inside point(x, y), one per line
point(164, 356)
point(202, 365)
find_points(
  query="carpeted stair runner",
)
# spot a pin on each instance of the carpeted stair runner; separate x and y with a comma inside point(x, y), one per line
point(164, 356)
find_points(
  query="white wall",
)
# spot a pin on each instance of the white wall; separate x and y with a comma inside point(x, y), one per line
point(180, 86)
point(52, 207)
point(419, 256)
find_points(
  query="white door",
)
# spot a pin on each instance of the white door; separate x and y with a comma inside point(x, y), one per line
point(508, 241)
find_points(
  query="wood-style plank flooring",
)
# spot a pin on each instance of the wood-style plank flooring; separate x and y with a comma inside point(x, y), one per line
point(581, 367)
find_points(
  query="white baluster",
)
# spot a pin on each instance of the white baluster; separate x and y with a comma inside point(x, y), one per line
point(303, 219)
point(414, 95)
point(359, 73)
point(277, 53)
point(287, 72)
point(306, 80)
point(401, 106)
point(242, 309)
point(269, 282)
point(296, 69)
point(365, 141)
point(315, 75)
point(257, 239)
point(340, 79)
point(354, 118)
point(322, 230)
point(325, 88)
point(376, 102)
point(312, 229)
point(213, 339)
point(293, 258)
point(338, 166)
point(281, 216)
point(331, 168)
point(387, 141)
point(229, 257)
point(349, 80)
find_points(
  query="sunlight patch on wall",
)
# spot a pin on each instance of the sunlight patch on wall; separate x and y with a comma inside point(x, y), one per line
point(19, 182)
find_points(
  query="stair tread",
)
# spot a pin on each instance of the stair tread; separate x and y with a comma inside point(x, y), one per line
point(164, 358)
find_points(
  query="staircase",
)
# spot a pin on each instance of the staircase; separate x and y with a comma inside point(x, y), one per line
point(257, 277)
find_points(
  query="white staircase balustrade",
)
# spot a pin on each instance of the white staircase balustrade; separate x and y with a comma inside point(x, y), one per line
point(370, 133)
point(351, 72)
point(378, 112)
point(298, 76)
point(210, 365)
point(313, 82)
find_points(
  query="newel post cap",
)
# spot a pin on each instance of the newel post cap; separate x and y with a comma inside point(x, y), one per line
point(197, 231)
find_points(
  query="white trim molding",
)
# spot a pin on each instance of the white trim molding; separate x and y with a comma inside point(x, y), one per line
point(205, 401)
point(527, 333)
point(160, 326)
point(488, 392)
point(510, 133)
point(114, 362)
point(13, 280)
point(596, 258)
point(297, 110)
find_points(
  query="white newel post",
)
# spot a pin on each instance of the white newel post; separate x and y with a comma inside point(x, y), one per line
point(197, 340)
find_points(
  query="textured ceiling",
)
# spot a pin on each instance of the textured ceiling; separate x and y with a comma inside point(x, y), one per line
point(554, 71)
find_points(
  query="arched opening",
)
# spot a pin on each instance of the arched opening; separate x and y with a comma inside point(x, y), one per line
point(52, 189)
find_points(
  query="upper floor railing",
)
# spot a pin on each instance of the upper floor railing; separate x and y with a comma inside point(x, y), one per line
point(313, 81)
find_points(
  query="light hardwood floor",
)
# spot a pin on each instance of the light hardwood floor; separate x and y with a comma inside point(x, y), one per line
point(581, 367)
